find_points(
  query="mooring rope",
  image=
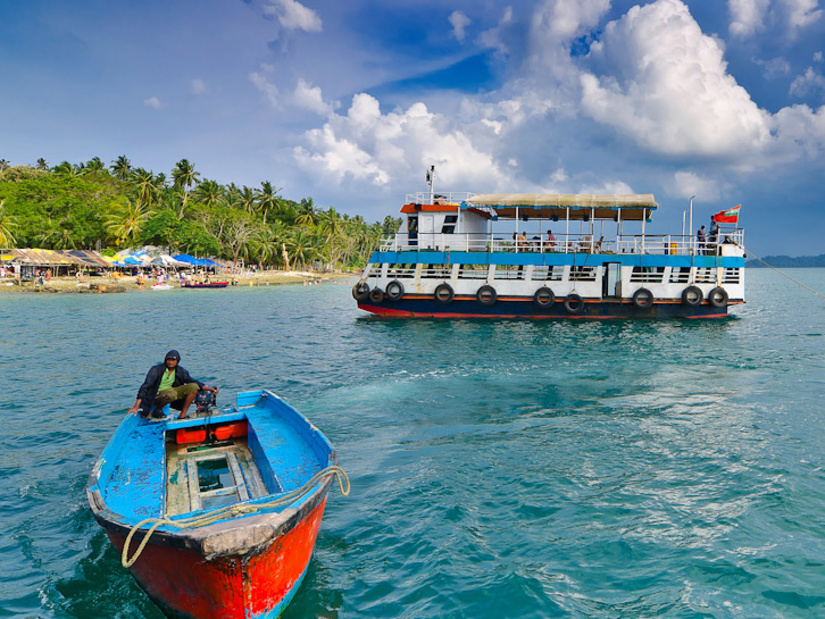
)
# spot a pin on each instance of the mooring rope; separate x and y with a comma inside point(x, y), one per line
point(770, 266)
point(233, 511)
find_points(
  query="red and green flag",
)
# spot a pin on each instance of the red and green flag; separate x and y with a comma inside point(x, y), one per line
point(730, 216)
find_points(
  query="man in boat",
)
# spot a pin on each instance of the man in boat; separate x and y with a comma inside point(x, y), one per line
point(167, 383)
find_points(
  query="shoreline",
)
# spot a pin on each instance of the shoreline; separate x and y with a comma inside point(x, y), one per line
point(128, 283)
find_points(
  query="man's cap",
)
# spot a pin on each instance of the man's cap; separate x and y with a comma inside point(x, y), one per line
point(172, 354)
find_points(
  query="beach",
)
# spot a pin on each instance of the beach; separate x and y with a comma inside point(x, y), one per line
point(129, 283)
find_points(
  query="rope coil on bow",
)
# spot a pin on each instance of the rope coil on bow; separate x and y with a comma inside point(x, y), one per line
point(239, 509)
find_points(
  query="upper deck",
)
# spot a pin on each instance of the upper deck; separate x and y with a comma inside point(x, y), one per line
point(547, 223)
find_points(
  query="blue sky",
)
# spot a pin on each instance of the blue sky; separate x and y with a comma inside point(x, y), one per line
point(349, 102)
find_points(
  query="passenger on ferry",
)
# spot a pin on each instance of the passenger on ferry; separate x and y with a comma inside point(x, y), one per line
point(167, 383)
point(701, 239)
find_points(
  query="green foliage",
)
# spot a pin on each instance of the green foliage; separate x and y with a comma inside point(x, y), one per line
point(89, 205)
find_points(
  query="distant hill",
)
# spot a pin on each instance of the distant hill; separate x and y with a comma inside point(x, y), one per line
point(786, 262)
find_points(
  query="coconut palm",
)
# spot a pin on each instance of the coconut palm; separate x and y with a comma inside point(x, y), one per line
point(306, 213)
point(302, 247)
point(41, 164)
point(208, 193)
point(121, 167)
point(94, 166)
point(144, 181)
point(126, 220)
point(5, 164)
point(248, 199)
point(268, 198)
point(8, 223)
point(183, 177)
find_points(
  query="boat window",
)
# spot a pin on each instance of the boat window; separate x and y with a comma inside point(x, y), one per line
point(401, 270)
point(730, 276)
point(449, 224)
point(473, 271)
point(412, 225)
point(680, 275)
point(651, 275)
point(548, 273)
point(582, 274)
point(437, 271)
point(506, 271)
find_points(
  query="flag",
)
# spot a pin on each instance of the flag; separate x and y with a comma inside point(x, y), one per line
point(730, 216)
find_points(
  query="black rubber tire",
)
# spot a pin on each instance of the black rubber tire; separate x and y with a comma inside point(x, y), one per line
point(544, 298)
point(376, 296)
point(444, 294)
point(574, 304)
point(692, 296)
point(486, 295)
point(394, 290)
point(718, 297)
point(643, 298)
point(361, 291)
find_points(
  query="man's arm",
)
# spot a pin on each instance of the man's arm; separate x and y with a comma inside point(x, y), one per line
point(144, 389)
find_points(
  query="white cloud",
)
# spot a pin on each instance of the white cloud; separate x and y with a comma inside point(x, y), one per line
point(807, 83)
point(747, 16)
point(377, 148)
point(774, 68)
point(801, 13)
point(459, 21)
point(669, 90)
point(492, 38)
point(293, 15)
point(197, 87)
point(309, 97)
point(152, 102)
point(261, 81)
point(800, 126)
point(686, 184)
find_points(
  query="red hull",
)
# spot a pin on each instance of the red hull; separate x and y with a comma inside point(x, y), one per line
point(231, 587)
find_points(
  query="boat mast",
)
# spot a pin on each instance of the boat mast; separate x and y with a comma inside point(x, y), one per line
point(430, 182)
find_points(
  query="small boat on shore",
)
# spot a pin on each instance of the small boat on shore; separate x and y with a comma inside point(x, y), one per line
point(550, 256)
point(160, 286)
point(204, 284)
point(216, 515)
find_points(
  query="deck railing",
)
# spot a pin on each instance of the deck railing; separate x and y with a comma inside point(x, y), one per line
point(563, 243)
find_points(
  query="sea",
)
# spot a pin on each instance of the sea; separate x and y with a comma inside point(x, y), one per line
point(499, 468)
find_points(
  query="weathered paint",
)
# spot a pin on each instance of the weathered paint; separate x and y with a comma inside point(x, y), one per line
point(260, 585)
point(238, 567)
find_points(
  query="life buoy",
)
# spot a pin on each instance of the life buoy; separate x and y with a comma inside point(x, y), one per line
point(377, 295)
point(643, 298)
point(692, 296)
point(486, 295)
point(544, 297)
point(395, 290)
point(444, 294)
point(361, 291)
point(718, 297)
point(573, 303)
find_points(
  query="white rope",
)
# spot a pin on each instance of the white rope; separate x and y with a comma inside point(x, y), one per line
point(231, 511)
point(780, 272)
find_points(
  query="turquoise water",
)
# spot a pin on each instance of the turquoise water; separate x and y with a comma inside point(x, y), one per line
point(499, 469)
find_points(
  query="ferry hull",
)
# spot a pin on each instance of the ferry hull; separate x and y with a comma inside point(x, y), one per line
point(525, 308)
point(256, 586)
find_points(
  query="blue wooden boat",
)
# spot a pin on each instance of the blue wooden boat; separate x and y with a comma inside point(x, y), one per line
point(216, 515)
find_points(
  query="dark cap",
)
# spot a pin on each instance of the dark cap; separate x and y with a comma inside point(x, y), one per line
point(172, 354)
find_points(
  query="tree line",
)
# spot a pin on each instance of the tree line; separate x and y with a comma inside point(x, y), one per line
point(94, 206)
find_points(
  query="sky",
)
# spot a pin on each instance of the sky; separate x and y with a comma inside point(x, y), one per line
point(348, 103)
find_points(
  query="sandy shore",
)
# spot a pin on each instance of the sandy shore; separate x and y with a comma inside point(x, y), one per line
point(129, 284)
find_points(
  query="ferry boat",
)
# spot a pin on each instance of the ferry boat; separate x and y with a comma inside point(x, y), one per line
point(550, 256)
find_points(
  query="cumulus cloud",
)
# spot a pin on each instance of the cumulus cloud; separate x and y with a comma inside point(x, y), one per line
point(197, 87)
point(370, 146)
point(747, 16)
point(686, 184)
point(262, 82)
point(152, 102)
point(309, 97)
point(293, 15)
point(459, 21)
point(669, 89)
point(801, 13)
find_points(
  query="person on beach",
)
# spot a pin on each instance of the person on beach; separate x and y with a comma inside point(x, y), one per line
point(167, 383)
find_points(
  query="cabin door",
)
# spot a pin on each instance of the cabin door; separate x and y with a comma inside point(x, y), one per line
point(612, 280)
point(412, 230)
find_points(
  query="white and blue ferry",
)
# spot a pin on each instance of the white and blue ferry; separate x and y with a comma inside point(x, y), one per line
point(550, 256)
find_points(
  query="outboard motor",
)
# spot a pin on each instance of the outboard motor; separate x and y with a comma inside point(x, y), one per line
point(204, 401)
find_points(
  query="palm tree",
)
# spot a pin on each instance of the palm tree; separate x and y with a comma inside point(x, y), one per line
point(306, 213)
point(208, 192)
point(5, 164)
point(268, 198)
point(329, 222)
point(184, 176)
point(95, 165)
point(248, 199)
point(41, 164)
point(121, 167)
point(8, 223)
point(144, 182)
point(126, 220)
point(302, 247)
